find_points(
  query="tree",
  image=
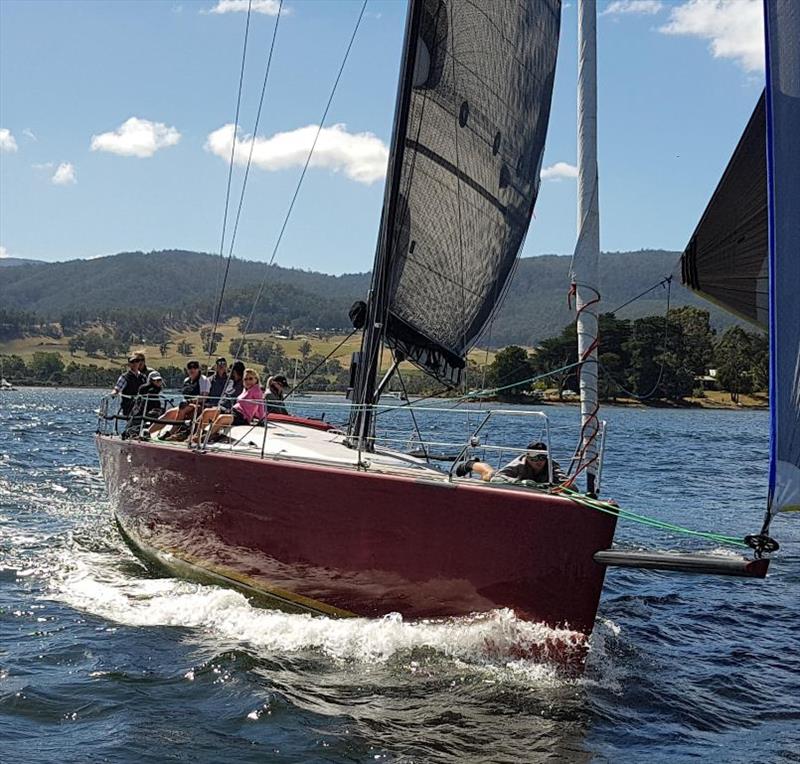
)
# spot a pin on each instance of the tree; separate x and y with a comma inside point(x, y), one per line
point(759, 353)
point(75, 343)
point(47, 367)
point(185, 348)
point(92, 343)
point(734, 362)
point(210, 343)
point(304, 349)
point(511, 365)
point(656, 366)
point(698, 338)
point(555, 353)
point(163, 348)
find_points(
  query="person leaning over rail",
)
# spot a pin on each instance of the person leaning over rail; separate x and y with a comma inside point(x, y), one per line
point(128, 385)
point(232, 391)
point(195, 389)
point(248, 409)
point(530, 467)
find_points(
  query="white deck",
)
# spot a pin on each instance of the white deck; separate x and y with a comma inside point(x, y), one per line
point(292, 442)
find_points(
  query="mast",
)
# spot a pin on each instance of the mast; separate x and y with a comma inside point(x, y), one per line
point(364, 392)
point(587, 248)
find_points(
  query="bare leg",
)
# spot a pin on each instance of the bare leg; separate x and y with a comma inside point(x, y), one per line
point(207, 416)
point(222, 421)
point(176, 414)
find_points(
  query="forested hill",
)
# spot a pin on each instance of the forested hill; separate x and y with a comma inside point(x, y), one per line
point(182, 287)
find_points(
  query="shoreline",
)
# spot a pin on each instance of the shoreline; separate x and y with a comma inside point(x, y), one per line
point(750, 403)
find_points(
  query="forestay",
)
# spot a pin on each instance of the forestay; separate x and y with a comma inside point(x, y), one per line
point(783, 129)
point(470, 152)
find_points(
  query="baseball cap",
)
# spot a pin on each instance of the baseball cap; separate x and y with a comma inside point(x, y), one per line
point(154, 375)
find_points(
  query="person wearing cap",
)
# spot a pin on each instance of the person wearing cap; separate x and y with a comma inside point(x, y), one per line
point(532, 466)
point(218, 382)
point(128, 384)
point(276, 387)
point(195, 389)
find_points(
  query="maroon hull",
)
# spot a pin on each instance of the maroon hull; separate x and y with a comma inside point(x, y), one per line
point(339, 540)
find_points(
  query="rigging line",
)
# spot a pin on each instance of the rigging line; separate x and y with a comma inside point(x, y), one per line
point(323, 361)
point(652, 390)
point(303, 173)
point(653, 522)
point(218, 312)
point(230, 163)
point(393, 275)
point(666, 280)
point(413, 416)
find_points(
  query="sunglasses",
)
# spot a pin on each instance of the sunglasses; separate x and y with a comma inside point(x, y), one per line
point(192, 367)
point(538, 458)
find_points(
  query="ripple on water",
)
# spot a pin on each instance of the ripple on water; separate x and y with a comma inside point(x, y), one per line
point(102, 655)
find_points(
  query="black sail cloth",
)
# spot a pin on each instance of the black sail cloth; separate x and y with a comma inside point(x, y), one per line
point(726, 259)
point(471, 152)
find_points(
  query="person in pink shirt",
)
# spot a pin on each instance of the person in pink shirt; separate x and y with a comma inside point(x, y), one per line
point(249, 406)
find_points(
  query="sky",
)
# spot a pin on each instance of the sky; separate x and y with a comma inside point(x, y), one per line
point(116, 124)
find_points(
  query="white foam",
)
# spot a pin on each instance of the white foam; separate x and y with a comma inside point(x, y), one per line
point(91, 582)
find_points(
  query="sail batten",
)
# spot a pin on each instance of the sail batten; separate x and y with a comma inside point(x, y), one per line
point(470, 151)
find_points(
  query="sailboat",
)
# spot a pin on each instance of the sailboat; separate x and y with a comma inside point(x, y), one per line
point(5, 385)
point(329, 521)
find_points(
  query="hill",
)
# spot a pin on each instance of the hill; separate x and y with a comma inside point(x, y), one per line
point(176, 287)
point(8, 261)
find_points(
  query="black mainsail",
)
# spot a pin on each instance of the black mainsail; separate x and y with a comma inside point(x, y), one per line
point(470, 125)
point(726, 259)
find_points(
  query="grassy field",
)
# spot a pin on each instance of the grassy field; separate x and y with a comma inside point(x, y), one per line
point(27, 346)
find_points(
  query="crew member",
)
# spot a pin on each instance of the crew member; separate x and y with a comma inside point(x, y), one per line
point(128, 385)
point(532, 466)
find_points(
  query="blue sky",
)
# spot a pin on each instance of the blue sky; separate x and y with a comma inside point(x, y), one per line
point(113, 115)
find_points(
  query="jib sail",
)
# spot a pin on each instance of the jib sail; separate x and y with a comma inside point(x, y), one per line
point(726, 258)
point(472, 114)
point(745, 252)
point(783, 163)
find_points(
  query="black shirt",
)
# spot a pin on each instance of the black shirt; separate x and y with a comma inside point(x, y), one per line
point(218, 385)
point(133, 380)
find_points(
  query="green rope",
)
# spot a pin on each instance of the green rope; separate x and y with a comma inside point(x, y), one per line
point(625, 514)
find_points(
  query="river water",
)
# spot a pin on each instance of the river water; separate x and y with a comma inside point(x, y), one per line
point(104, 660)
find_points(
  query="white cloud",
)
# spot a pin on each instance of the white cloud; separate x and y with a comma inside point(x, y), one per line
point(267, 7)
point(7, 142)
point(28, 133)
point(641, 7)
point(360, 156)
point(559, 171)
point(4, 252)
point(734, 27)
point(136, 138)
point(64, 175)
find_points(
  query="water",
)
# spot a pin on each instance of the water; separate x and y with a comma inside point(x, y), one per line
point(103, 660)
